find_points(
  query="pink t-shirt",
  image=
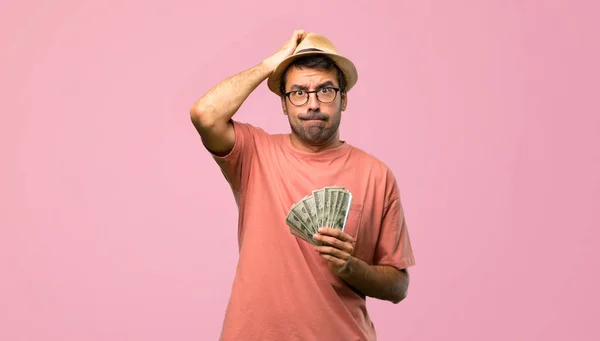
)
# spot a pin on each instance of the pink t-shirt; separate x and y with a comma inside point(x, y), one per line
point(283, 289)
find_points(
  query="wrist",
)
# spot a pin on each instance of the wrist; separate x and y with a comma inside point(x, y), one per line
point(348, 269)
point(266, 67)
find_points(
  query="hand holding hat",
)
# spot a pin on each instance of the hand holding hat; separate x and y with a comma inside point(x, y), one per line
point(286, 50)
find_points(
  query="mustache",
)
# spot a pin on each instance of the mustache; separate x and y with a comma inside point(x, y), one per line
point(313, 115)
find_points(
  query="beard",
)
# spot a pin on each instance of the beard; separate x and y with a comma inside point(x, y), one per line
point(315, 132)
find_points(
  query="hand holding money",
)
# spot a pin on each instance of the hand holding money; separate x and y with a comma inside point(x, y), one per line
point(336, 247)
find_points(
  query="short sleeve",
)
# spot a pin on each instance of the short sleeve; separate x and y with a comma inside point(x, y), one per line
point(235, 166)
point(393, 245)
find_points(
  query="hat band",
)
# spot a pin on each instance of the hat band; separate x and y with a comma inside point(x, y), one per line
point(309, 49)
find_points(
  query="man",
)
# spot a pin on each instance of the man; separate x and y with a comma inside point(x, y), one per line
point(286, 288)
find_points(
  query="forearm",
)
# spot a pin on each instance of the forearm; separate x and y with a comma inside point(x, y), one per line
point(377, 281)
point(222, 101)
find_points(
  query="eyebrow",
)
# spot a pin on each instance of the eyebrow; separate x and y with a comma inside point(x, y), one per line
point(303, 87)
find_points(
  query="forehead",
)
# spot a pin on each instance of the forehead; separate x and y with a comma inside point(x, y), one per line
point(309, 77)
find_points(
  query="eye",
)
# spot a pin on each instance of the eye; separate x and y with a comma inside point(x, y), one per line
point(299, 93)
point(325, 90)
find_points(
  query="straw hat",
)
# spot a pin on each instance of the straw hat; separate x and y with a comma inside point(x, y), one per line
point(314, 44)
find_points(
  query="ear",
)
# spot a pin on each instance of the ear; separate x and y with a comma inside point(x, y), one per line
point(283, 106)
point(344, 101)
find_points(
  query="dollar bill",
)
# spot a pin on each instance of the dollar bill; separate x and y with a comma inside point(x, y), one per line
point(329, 202)
point(301, 209)
point(298, 227)
point(337, 193)
point(311, 208)
point(326, 206)
point(302, 213)
point(319, 196)
point(299, 234)
point(330, 199)
point(343, 210)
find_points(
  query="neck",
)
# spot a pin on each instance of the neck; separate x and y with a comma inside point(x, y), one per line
point(299, 144)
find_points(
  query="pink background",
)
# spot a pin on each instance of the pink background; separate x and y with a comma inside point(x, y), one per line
point(117, 225)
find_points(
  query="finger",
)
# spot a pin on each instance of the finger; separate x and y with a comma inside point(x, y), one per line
point(294, 40)
point(297, 35)
point(334, 242)
point(336, 233)
point(333, 252)
point(335, 261)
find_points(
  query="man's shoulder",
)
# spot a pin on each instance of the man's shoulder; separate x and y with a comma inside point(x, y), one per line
point(379, 172)
point(252, 129)
point(248, 127)
point(370, 160)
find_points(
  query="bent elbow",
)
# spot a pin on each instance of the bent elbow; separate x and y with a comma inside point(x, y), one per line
point(399, 294)
point(401, 287)
point(201, 116)
point(399, 297)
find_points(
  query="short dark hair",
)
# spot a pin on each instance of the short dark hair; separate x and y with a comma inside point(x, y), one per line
point(320, 62)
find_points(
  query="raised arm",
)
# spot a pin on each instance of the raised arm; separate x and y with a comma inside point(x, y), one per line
point(211, 114)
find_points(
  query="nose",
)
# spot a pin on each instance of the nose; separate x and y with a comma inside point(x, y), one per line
point(313, 102)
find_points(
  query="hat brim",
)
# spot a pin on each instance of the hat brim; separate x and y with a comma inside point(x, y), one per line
point(346, 66)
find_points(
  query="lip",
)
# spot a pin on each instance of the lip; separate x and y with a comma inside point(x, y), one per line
point(314, 122)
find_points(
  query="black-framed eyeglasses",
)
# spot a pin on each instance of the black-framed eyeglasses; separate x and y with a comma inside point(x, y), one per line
point(324, 95)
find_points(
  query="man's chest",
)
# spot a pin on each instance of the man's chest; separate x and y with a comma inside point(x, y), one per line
point(284, 183)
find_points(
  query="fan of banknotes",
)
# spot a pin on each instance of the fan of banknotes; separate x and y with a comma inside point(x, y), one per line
point(326, 207)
